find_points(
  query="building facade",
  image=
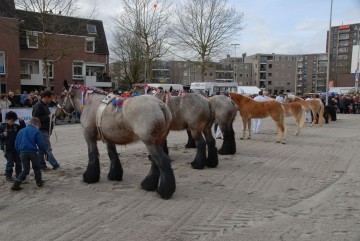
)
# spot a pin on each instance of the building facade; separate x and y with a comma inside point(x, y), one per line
point(274, 72)
point(343, 39)
point(311, 73)
point(72, 49)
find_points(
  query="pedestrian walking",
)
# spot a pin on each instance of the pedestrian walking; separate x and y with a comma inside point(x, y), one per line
point(27, 143)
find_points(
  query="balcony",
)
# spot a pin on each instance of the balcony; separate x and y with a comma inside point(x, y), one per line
point(31, 79)
point(97, 81)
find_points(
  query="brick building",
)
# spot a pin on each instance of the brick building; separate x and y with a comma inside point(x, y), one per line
point(74, 49)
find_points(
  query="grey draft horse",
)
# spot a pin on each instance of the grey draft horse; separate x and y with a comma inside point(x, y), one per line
point(192, 112)
point(223, 112)
point(142, 118)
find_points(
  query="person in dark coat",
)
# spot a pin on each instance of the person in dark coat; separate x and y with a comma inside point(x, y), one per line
point(8, 132)
point(41, 110)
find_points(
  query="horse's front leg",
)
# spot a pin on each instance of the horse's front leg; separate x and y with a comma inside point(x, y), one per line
point(160, 168)
point(244, 128)
point(249, 128)
point(116, 171)
point(200, 158)
point(313, 116)
point(92, 173)
point(229, 145)
point(212, 157)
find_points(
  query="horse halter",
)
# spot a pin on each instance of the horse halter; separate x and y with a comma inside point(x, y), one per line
point(67, 98)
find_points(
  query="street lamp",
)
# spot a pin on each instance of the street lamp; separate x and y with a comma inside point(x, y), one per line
point(234, 60)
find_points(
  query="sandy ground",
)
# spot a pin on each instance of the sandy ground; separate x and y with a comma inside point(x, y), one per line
point(308, 189)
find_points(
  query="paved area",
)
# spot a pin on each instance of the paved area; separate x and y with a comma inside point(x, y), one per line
point(307, 189)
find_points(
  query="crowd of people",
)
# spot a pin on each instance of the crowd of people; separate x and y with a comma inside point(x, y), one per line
point(23, 144)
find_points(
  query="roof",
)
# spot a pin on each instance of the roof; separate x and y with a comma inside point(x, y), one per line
point(62, 25)
point(7, 8)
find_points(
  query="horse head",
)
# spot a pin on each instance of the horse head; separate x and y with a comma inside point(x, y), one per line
point(161, 95)
point(65, 106)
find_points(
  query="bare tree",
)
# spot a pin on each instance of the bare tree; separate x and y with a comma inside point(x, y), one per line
point(50, 17)
point(205, 27)
point(127, 52)
point(145, 23)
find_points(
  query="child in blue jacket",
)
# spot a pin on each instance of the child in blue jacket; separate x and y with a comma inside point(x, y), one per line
point(8, 132)
point(27, 143)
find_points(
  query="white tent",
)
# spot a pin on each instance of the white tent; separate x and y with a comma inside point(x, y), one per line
point(248, 90)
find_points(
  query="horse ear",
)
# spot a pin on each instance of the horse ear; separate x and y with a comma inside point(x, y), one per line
point(66, 85)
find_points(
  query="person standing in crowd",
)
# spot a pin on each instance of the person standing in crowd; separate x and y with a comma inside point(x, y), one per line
point(41, 110)
point(4, 104)
point(280, 98)
point(27, 143)
point(14, 99)
point(257, 122)
point(8, 132)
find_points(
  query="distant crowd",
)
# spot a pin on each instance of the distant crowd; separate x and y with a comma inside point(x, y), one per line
point(25, 99)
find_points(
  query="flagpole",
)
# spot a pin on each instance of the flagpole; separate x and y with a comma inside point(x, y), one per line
point(328, 62)
point(357, 65)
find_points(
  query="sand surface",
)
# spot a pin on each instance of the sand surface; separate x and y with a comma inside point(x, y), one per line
point(308, 189)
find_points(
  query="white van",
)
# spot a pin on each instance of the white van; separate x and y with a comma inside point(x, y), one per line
point(211, 88)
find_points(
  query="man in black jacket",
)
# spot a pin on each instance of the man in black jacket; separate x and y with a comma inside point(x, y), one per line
point(41, 110)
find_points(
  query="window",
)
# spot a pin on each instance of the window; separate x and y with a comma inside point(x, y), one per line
point(32, 40)
point(90, 45)
point(91, 28)
point(2, 63)
point(78, 70)
point(50, 69)
point(270, 66)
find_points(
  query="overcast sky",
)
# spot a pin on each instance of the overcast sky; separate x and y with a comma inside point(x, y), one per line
point(271, 26)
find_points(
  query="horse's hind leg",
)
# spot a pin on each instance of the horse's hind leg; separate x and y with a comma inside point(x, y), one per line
point(151, 181)
point(212, 158)
point(116, 171)
point(229, 145)
point(191, 141)
point(92, 173)
point(160, 168)
point(200, 158)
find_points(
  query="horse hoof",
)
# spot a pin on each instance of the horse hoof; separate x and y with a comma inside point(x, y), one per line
point(190, 146)
point(249, 138)
point(241, 138)
point(88, 178)
point(283, 142)
point(197, 166)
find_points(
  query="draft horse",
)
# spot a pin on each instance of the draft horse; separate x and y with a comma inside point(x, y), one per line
point(142, 118)
point(250, 108)
point(223, 113)
point(192, 112)
point(313, 105)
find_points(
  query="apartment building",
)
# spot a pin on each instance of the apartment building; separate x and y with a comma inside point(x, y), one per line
point(274, 72)
point(77, 51)
point(311, 73)
point(343, 39)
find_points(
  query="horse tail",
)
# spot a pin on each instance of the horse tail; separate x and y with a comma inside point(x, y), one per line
point(302, 117)
point(167, 114)
point(321, 114)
